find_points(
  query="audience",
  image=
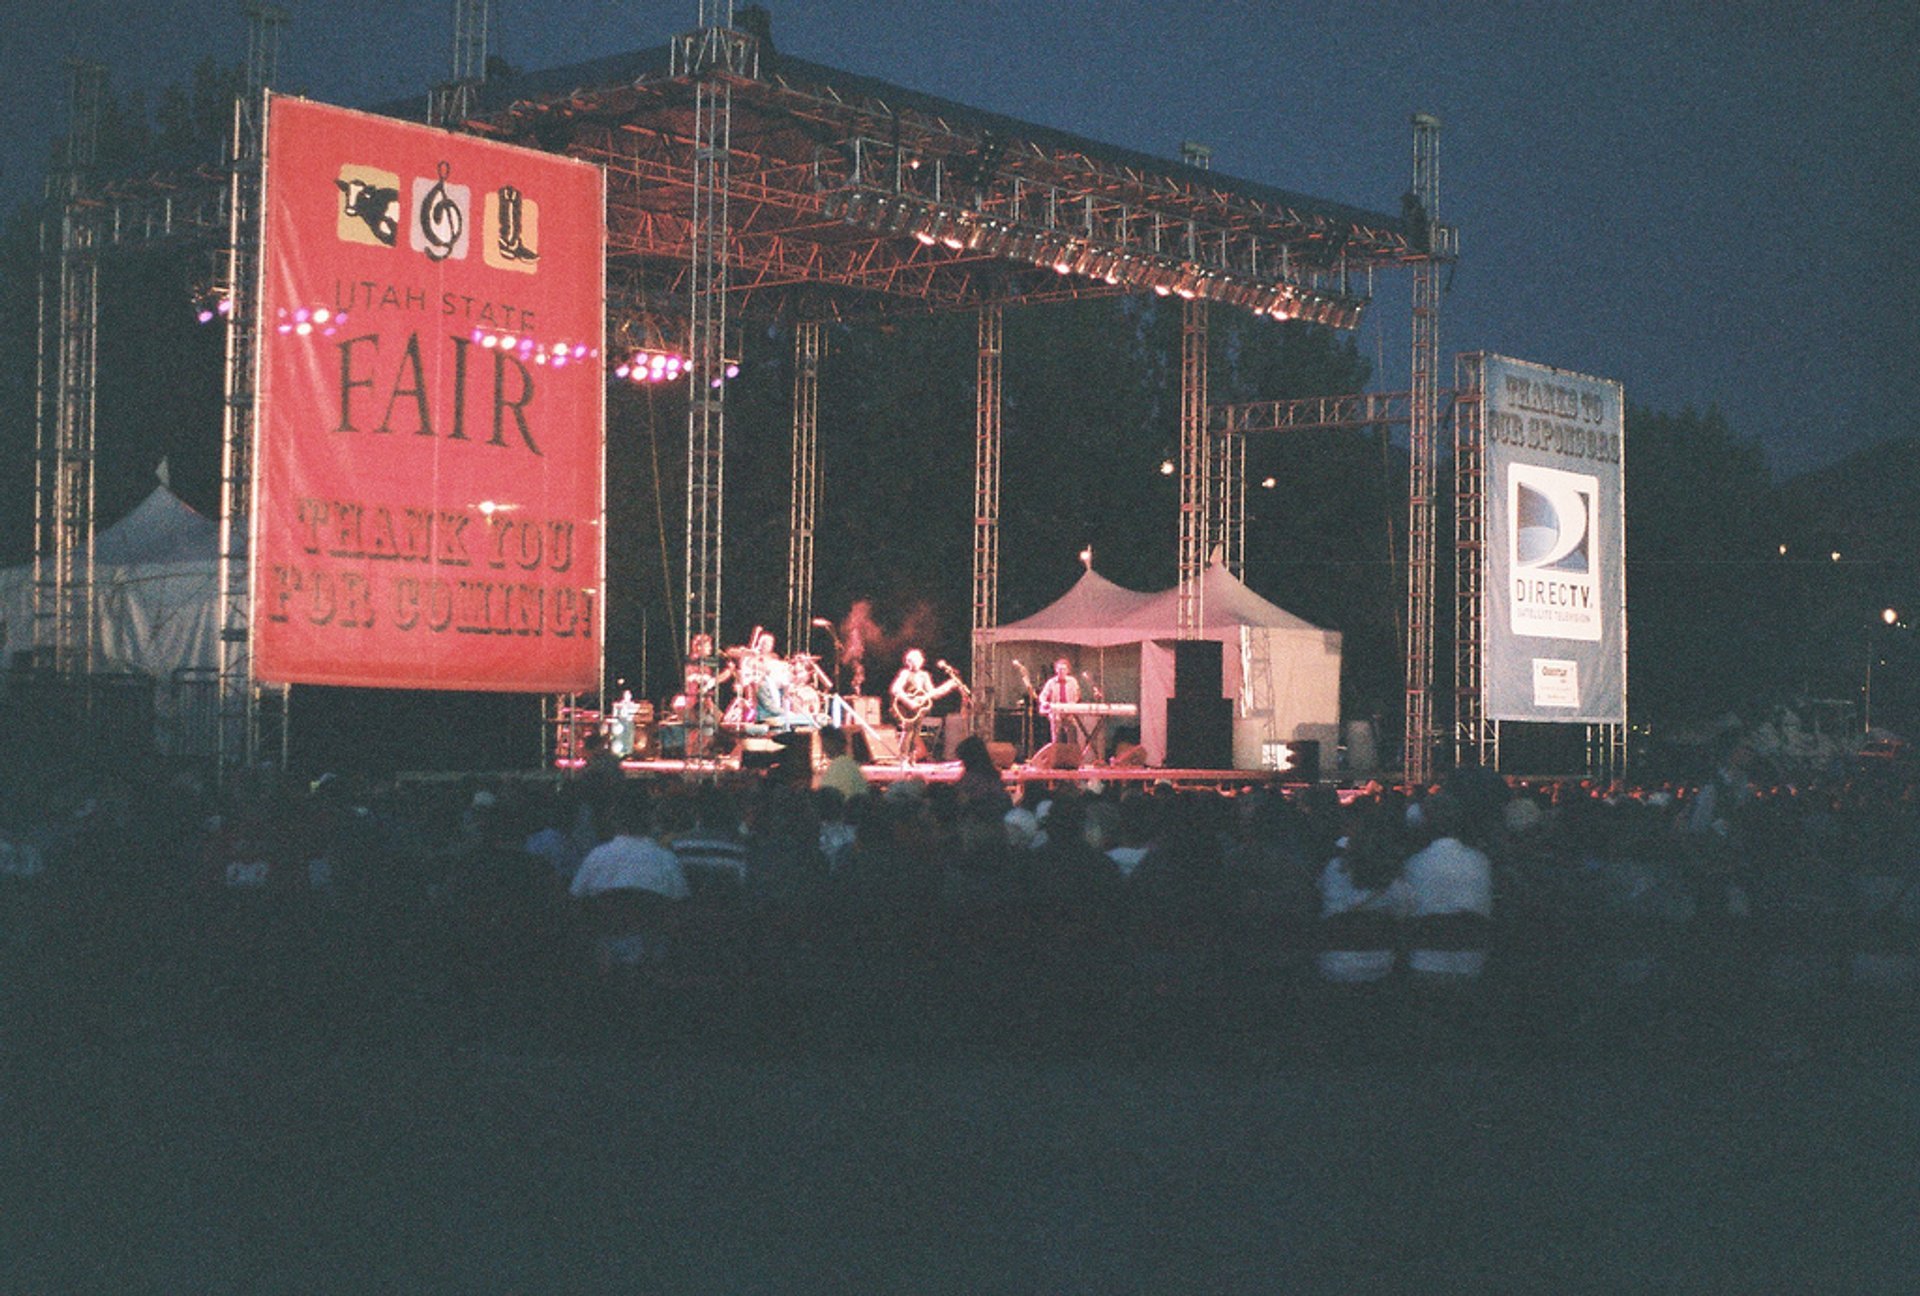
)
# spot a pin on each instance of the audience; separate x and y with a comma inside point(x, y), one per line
point(1741, 902)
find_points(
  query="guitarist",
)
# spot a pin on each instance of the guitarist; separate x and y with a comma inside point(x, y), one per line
point(914, 693)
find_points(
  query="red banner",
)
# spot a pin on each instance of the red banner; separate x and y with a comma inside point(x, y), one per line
point(429, 482)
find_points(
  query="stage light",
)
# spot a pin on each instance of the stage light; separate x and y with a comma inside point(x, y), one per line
point(205, 315)
point(622, 371)
point(320, 313)
point(1268, 483)
point(1166, 467)
point(1889, 617)
point(733, 369)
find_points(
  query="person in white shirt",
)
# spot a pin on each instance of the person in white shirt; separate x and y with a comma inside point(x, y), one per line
point(1448, 876)
point(637, 871)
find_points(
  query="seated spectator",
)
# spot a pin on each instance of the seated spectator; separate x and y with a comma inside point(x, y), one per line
point(980, 782)
point(842, 772)
point(628, 884)
point(1447, 878)
point(1139, 821)
point(553, 816)
point(710, 851)
point(1361, 893)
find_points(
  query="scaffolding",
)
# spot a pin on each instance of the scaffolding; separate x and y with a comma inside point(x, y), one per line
point(987, 405)
point(69, 328)
point(450, 103)
point(252, 718)
point(737, 195)
point(809, 347)
point(712, 56)
point(1423, 407)
point(1476, 739)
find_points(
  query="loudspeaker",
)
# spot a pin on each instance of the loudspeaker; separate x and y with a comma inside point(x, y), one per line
point(1297, 760)
point(759, 753)
point(867, 708)
point(882, 746)
point(1200, 732)
point(1056, 755)
point(1196, 668)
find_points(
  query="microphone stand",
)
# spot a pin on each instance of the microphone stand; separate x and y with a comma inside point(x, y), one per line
point(823, 624)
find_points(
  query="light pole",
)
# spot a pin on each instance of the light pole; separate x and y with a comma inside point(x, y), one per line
point(1889, 617)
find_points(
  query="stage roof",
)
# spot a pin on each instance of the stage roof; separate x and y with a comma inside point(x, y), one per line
point(852, 197)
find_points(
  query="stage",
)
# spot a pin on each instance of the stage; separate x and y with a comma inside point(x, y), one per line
point(1014, 776)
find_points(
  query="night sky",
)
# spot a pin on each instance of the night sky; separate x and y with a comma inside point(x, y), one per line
point(1707, 201)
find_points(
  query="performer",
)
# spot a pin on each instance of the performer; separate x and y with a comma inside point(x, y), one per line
point(914, 693)
point(772, 705)
point(1061, 686)
point(700, 679)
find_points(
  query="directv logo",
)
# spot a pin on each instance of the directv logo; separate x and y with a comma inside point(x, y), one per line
point(1553, 519)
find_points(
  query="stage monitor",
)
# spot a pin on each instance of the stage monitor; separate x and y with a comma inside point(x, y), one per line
point(429, 421)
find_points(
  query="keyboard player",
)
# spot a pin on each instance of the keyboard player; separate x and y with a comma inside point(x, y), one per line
point(1060, 687)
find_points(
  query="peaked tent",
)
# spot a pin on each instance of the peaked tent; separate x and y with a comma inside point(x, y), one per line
point(1282, 672)
point(156, 596)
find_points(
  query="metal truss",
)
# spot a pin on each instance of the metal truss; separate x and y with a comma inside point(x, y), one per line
point(252, 718)
point(1226, 514)
point(849, 205)
point(987, 408)
point(714, 57)
point(68, 321)
point(452, 102)
point(1476, 739)
point(1196, 461)
point(809, 348)
point(1423, 408)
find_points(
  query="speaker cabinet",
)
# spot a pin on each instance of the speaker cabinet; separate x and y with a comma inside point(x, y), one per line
point(1056, 755)
point(1200, 732)
point(1297, 760)
point(1196, 668)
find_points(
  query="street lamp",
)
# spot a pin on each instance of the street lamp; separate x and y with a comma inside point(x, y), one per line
point(1889, 617)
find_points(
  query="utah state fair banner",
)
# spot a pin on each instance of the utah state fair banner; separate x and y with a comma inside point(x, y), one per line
point(429, 471)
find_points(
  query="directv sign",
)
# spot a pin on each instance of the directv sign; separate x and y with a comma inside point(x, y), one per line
point(1554, 621)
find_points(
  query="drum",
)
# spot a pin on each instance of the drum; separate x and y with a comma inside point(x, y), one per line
point(740, 712)
point(620, 736)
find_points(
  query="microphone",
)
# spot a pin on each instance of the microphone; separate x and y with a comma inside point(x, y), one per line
point(823, 623)
point(1016, 662)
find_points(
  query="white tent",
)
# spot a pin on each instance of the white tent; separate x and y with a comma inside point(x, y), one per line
point(156, 597)
point(1282, 672)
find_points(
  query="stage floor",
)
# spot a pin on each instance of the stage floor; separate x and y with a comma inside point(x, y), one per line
point(1014, 776)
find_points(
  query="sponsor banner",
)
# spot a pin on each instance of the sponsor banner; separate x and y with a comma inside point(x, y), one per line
point(429, 467)
point(1554, 627)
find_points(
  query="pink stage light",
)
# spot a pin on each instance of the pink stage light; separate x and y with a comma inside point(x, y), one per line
point(622, 371)
point(205, 316)
point(733, 371)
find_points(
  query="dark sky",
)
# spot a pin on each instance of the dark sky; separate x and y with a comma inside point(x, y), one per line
point(1710, 202)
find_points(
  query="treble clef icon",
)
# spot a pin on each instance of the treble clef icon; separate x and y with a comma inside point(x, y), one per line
point(441, 220)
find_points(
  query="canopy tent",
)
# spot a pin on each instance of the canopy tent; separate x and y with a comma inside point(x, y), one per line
point(1282, 672)
point(156, 597)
